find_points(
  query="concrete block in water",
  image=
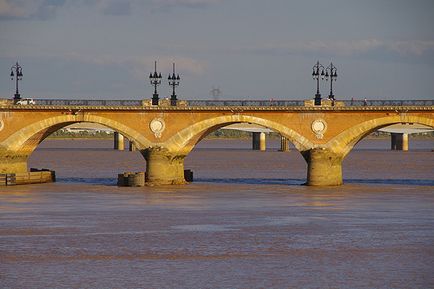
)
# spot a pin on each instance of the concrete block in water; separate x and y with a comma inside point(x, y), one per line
point(129, 179)
point(136, 180)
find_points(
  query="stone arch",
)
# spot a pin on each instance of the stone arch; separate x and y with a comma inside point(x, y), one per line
point(185, 140)
point(21, 140)
point(343, 143)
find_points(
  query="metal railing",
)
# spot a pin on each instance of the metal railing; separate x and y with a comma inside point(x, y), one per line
point(86, 102)
point(83, 102)
point(414, 102)
point(245, 102)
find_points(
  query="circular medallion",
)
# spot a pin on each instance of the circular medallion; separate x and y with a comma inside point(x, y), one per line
point(2, 125)
point(157, 126)
point(319, 126)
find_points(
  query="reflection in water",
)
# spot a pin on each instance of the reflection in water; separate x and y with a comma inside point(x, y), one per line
point(245, 223)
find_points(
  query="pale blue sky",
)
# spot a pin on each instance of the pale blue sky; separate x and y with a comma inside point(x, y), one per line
point(250, 49)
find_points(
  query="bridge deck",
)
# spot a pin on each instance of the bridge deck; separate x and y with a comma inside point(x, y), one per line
point(220, 105)
point(215, 104)
point(77, 108)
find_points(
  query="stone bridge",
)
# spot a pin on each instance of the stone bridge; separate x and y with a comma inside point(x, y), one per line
point(165, 135)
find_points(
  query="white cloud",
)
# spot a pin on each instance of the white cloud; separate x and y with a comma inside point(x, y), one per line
point(403, 48)
point(411, 47)
point(142, 65)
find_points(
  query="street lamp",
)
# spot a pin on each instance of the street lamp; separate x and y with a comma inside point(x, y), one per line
point(18, 76)
point(173, 81)
point(155, 81)
point(331, 72)
point(316, 75)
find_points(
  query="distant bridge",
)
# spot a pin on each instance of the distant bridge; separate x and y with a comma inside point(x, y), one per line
point(166, 134)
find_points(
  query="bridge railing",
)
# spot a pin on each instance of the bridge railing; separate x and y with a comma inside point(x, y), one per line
point(245, 102)
point(422, 102)
point(375, 102)
point(85, 102)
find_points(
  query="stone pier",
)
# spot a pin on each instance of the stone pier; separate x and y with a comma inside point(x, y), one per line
point(258, 141)
point(132, 147)
point(284, 144)
point(118, 141)
point(324, 168)
point(163, 167)
point(13, 163)
point(399, 141)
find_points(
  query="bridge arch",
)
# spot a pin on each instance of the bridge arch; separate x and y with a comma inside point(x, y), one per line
point(28, 138)
point(185, 140)
point(343, 143)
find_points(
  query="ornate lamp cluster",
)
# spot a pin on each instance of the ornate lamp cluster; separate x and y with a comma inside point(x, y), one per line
point(331, 73)
point(324, 73)
point(155, 79)
point(173, 81)
point(18, 76)
point(316, 76)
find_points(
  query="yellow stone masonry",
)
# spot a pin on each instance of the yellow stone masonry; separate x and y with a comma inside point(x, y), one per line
point(165, 135)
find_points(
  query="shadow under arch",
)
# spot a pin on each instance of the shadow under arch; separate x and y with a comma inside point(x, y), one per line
point(343, 143)
point(185, 140)
point(28, 138)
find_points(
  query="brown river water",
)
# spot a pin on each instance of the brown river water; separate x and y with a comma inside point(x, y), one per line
point(246, 221)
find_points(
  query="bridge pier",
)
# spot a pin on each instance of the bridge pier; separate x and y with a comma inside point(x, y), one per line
point(324, 168)
point(258, 141)
point(163, 167)
point(132, 147)
point(284, 144)
point(118, 141)
point(13, 164)
point(399, 141)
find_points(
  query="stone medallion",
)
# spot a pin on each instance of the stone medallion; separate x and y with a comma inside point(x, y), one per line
point(319, 127)
point(157, 126)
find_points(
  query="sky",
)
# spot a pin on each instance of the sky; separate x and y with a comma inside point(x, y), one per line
point(248, 49)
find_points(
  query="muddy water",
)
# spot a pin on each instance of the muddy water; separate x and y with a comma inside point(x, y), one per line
point(245, 223)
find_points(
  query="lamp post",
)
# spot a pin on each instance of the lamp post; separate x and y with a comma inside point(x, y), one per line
point(155, 80)
point(173, 82)
point(331, 73)
point(18, 76)
point(316, 75)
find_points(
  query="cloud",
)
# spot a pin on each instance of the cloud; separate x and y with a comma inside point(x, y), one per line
point(167, 4)
point(126, 7)
point(115, 8)
point(29, 9)
point(46, 9)
point(347, 48)
point(140, 66)
point(412, 47)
